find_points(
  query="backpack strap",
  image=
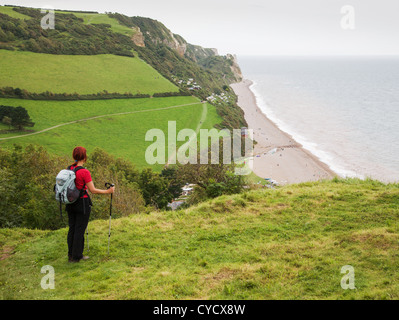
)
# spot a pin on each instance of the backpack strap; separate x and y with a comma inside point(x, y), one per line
point(77, 169)
point(60, 208)
point(82, 191)
point(59, 195)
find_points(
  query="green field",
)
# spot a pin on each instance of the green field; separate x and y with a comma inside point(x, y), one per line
point(288, 243)
point(10, 12)
point(120, 135)
point(93, 18)
point(88, 18)
point(39, 72)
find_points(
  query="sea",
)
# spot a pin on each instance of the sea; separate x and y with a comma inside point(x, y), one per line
point(344, 110)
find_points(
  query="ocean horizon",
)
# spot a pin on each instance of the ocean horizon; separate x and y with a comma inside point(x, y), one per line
point(344, 110)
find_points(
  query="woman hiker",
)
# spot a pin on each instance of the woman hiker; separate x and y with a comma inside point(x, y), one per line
point(79, 211)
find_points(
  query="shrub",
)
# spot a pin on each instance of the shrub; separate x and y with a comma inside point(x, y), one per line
point(27, 178)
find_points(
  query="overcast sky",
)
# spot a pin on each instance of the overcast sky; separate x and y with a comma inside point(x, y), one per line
point(263, 27)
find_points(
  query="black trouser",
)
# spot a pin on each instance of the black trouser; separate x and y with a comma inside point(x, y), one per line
point(78, 218)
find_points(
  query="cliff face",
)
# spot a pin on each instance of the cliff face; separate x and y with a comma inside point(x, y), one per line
point(152, 32)
point(162, 35)
point(138, 37)
point(235, 68)
point(196, 53)
point(170, 40)
point(180, 61)
point(156, 33)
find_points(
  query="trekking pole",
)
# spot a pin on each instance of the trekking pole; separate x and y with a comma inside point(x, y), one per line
point(109, 185)
point(87, 237)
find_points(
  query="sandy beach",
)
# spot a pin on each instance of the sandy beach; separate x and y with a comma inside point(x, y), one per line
point(277, 155)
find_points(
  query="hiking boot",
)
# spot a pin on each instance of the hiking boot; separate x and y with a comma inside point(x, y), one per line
point(70, 259)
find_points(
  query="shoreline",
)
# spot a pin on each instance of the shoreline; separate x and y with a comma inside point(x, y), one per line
point(276, 154)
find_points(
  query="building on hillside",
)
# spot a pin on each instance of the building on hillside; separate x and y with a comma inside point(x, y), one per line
point(175, 205)
point(187, 190)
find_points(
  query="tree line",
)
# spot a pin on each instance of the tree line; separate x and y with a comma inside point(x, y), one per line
point(10, 92)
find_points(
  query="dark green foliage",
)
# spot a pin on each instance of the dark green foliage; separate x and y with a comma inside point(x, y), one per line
point(70, 36)
point(27, 198)
point(9, 92)
point(171, 94)
point(19, 116)
point(211, 180)
point(175, 185)
point(232, 115)
point(27, 178)
point(155, 189)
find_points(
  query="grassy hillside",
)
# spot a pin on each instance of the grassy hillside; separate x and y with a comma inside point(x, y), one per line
point(90, 33)
point(10, 12)
point(121, 135)
point(39, 72)
point(98, 18)
point(288, 243)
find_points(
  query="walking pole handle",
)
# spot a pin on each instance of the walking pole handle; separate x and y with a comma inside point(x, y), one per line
point(110, 185)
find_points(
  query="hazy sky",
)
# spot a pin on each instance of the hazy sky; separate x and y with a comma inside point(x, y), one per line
point(262, 27)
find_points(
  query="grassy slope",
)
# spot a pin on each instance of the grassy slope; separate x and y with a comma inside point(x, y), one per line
point(39, 72)
point(10, 12)
point(92, 18)
point(122, 135)
point(288, 243)
point(88, 18)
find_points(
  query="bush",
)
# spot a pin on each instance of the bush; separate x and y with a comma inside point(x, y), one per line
point(27, 178)
point(18, 116)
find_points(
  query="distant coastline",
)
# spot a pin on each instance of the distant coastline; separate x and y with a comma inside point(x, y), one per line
point(277, 155)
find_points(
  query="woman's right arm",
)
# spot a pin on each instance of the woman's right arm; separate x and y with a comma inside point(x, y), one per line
point(93, 189)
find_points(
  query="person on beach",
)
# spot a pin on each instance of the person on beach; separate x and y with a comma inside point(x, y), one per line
point(79, 211)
